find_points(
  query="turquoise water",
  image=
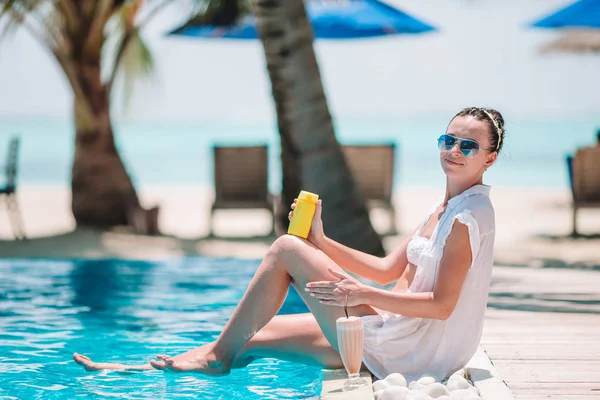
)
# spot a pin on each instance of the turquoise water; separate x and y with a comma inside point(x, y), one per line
point(180, 153)
point(129, 311)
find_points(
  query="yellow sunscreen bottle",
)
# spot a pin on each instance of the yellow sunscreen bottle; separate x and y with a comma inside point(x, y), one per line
point(303, 214)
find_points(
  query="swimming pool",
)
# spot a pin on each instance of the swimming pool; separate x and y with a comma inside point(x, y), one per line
point(129, 311)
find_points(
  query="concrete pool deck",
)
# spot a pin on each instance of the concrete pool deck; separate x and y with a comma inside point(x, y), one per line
point(486, 378)
point(333, 381)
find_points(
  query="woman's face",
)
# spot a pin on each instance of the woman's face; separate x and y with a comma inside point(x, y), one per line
point(455, 163)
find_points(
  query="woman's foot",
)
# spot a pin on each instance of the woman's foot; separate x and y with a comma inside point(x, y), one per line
point(89, 365)
point(206, 363)
point(85, 362)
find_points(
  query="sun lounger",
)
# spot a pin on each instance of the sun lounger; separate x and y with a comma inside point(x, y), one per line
point(373, 169)
point(241, 180)
point(8, 192)
point(144, 221)
point(584, 175)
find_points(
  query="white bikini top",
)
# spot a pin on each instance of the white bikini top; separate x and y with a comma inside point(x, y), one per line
point(415, 248)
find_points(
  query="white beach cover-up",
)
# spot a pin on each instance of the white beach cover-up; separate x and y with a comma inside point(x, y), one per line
point(419, 346)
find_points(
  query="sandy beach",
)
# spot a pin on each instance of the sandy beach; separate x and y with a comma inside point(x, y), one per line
point(532, 227)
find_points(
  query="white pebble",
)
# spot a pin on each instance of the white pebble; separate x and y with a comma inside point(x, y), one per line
point(415, 385)
point(380, 385)
point(444, 398)
point(460, 394)
point(473, 390)
point(472, 397)
point(457, 377)
point(453, 385)
point(460, 372)
point(436, 390)
point(396, 379)
point(394, 393)
point(426, 380)
point(457, 382)
point(418, 395)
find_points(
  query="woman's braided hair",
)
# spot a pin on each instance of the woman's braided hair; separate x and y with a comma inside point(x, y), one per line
point(493, 118)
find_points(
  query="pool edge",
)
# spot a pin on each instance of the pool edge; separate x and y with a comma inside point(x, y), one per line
point(480, 370)
point(333, 380)
point(486, 378)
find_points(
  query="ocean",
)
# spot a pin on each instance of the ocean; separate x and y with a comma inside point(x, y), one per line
point(179, 153)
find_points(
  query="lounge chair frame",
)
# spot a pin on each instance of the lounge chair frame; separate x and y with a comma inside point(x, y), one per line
point(372, 166)
point(8, 192)
point(584, 175)
point(241, 177)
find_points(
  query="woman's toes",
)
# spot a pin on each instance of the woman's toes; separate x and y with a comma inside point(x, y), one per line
point(167, 359)
point(80, 359)
point(85, 362)
point(160, 365)
point(170, 363)
point(174, 366)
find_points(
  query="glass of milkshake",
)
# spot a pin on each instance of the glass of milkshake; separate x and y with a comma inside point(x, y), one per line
point(350, 336)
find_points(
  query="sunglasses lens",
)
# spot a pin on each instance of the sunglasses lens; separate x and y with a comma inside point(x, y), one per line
point(446, 142)
point(469, 148)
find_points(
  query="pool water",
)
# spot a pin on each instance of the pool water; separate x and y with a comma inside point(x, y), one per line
point(129, 311)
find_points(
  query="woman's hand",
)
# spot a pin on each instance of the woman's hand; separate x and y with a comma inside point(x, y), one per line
point(316, 235)
point(334, 293)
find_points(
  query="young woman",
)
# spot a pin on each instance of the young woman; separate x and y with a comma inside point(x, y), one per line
point(429, 323)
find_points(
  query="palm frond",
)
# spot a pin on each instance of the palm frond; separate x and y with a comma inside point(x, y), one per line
point(137, 65)
point(125, 53)
point(9, 27)
point(216, 13)
point(15, 13)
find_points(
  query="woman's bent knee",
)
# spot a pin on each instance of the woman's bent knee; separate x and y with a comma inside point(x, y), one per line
point(289, 244)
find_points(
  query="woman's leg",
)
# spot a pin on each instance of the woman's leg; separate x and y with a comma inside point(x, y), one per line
point(292, 337)
point(289, 260)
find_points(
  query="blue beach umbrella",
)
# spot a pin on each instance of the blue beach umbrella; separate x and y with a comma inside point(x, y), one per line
point(330, 19)
point(582, 14)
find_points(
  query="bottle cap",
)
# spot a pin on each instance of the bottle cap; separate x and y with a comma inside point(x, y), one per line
point(308, 197)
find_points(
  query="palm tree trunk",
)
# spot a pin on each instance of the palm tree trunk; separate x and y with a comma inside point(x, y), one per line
point(312, 158)
point(102, 191)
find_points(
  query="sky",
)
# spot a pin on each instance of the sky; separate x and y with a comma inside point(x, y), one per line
point(483, 54)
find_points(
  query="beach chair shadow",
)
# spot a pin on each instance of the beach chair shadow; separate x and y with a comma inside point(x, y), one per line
point(584, 177)
point(372, 167)
point(241, 180)
point(8, 192)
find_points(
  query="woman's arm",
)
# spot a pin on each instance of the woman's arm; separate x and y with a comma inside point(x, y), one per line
point(377, 269)
point(438, 304)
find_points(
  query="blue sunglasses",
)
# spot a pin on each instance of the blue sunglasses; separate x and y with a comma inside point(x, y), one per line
point(468, 147)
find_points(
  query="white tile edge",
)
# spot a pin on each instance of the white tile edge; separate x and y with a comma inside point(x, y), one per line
point(486, 378)
point(333, 380)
